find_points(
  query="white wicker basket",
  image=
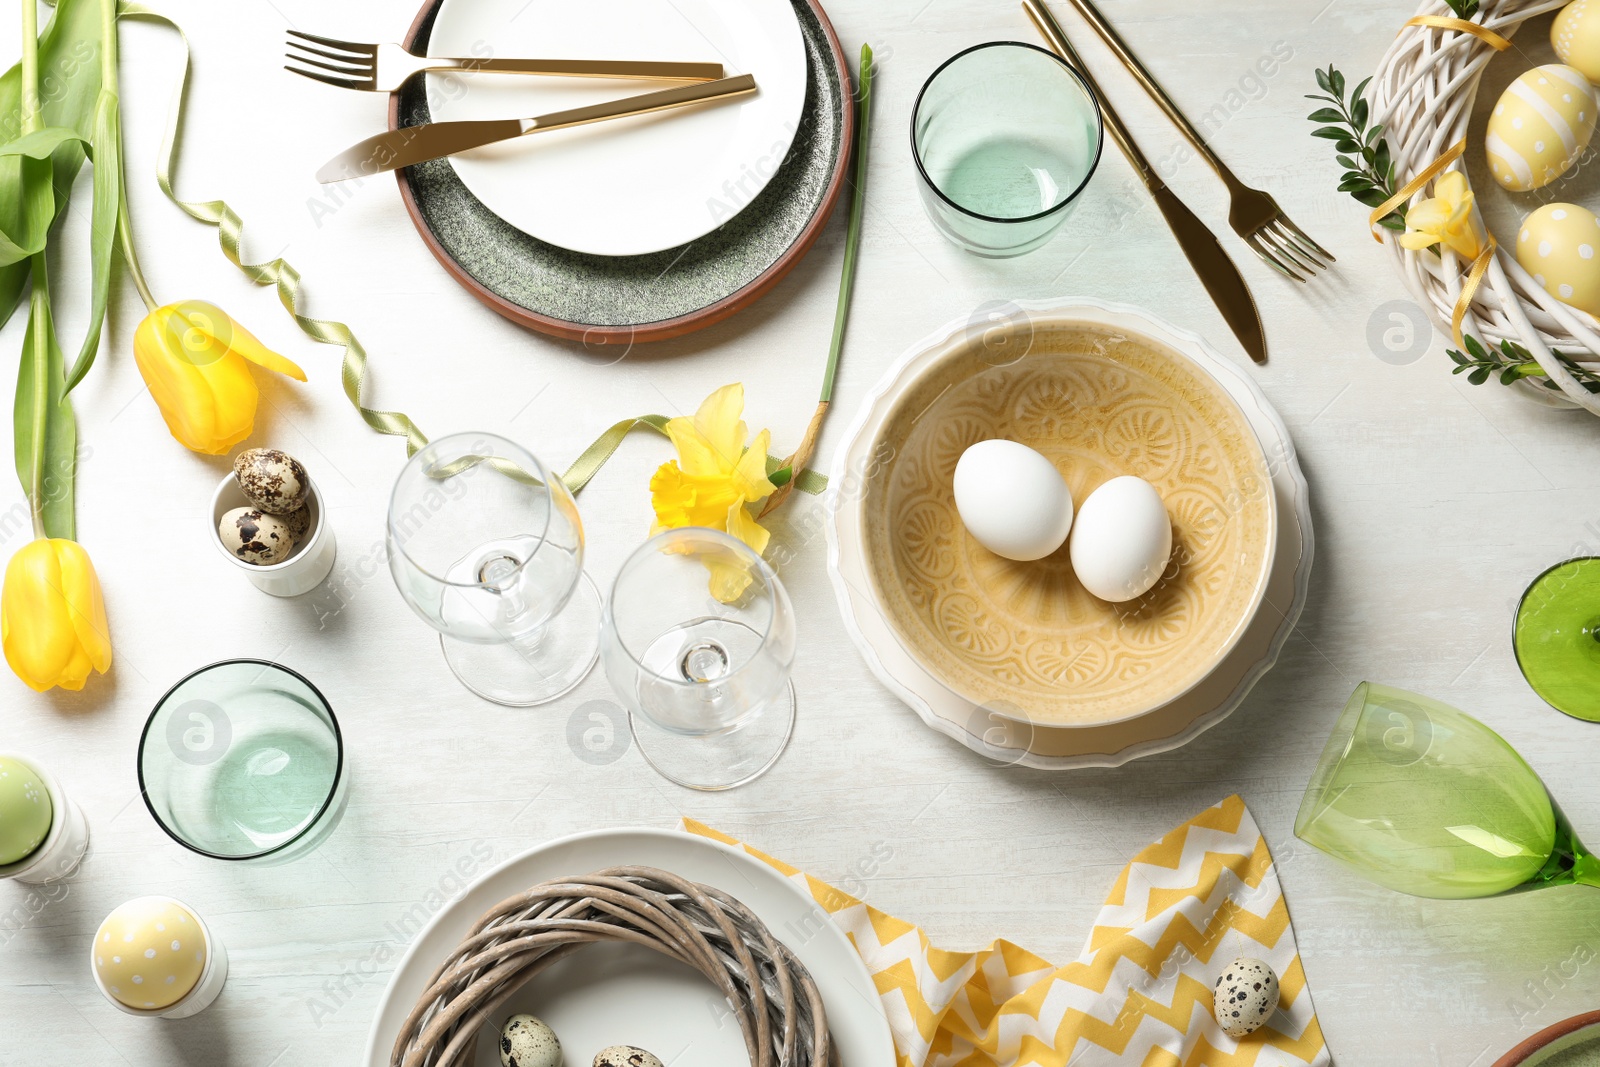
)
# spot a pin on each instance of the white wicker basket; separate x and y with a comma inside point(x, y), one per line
point(1423, 94)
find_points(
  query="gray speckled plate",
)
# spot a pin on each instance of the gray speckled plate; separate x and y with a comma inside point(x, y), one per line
point(605, 299)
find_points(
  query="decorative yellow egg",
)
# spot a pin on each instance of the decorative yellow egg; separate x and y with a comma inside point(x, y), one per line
point(1539, 126)
point(1557, 245)
point(1575, 35)
point(149, 952)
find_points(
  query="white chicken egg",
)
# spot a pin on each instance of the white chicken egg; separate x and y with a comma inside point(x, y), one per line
point(1012, 500)
point(1122, 540)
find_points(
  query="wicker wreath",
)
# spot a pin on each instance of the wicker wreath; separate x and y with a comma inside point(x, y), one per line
point(770, 992)
point(1423, 93)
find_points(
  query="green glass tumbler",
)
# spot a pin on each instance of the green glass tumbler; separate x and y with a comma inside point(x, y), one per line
point(1005, 136)
point(1426, 800)
point(243, 760)
point(1557, 637)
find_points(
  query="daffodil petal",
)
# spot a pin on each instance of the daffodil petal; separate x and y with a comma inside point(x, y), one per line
point(750, 479)
point(719, 421)
point(744, 527)
point(1451, 185)
point(1428, 215)
point(695, 455)
point(1417, 240)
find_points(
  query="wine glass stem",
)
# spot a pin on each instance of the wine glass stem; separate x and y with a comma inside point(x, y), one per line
point(1586, 871)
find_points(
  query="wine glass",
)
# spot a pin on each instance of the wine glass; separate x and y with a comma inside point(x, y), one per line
point(486, 546)
point(1557, 637)
point(705, 680)
point(1426, 800)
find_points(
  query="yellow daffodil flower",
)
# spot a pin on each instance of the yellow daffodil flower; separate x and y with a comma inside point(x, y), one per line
point(1447, 217)
point(53, 616)
point(193, 358)
point(713, 480)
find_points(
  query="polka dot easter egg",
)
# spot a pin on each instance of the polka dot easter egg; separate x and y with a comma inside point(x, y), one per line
point(1575, 35)
point(25, 813)
point(149, 953)
point(1246, 995)
point(1557, 245)
point(1539, 126)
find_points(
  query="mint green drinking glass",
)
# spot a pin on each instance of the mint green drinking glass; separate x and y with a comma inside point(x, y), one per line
point(1005, 136)
point(1426, 800)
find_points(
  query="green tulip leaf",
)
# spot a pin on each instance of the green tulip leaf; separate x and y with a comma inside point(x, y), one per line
point(103, 231)
point(69, 87)
point(46, 433)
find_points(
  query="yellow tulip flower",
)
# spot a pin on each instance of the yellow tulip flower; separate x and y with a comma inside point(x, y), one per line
point(713, 479)
point(193, 358)
point(1447, 217)
point(53, 616)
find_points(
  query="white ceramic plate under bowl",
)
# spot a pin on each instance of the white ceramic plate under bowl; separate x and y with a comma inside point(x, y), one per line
point(630, 995)
point(627, 186)
point(1004, 739)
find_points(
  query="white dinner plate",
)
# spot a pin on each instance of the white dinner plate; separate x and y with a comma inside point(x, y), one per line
point(630, 995)
point(1009, 742)
point(627, 186)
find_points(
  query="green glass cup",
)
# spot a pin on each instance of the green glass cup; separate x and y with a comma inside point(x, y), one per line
point(1426, 800)
point(1005, 136)
point(1557, 637)
point(243, 760)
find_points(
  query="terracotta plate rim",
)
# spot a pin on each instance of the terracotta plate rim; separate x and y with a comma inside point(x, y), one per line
point(663, 329)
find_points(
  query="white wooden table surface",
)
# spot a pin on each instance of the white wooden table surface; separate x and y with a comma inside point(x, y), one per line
point(1435, 502)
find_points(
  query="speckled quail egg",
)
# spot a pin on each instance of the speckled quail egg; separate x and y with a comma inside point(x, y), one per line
point(1245, 997)
point(273, 481)
point(255, 536)
point(299, 523)
point(525, 1041)
point(625, 1056)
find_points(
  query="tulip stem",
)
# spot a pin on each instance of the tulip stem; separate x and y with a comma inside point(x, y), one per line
point(125, 242)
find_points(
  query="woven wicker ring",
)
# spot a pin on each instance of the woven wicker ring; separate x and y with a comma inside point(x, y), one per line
point(767, 989)
point(1423, 94)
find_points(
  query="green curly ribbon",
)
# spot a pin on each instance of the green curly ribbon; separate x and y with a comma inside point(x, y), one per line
point(230, 231)
point(353, 372)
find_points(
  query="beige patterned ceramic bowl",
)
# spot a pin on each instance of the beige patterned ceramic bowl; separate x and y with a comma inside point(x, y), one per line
point(1099, 399)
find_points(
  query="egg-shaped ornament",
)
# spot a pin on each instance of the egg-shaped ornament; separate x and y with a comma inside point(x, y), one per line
point(149, 953)
point(1246, 995)
point(1539, 127)
point(25, 811)
point(1557, 244)
point(1575, 35)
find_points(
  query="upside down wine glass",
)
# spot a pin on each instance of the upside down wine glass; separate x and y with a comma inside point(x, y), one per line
point(486, 546)
point(698, 640)
point(1426, 800)
point(1557, 637)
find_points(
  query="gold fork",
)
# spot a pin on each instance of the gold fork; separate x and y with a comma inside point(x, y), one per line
point(1253, 214)
point(383, 68)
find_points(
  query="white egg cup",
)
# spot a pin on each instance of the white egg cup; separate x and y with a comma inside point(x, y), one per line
point(63, 848)
point(212, 978)
point(307, 566)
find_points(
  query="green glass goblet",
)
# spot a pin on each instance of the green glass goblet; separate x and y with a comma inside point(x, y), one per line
point(1426, 800)
point(1557, 637)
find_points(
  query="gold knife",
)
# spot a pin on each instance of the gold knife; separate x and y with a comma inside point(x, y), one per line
point(416, 144)
point(1215, 270)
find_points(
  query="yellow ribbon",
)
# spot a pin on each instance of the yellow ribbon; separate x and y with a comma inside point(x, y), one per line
point(1415, 186)
point(1482, 33)
point(1469, 289)
point(353, 372)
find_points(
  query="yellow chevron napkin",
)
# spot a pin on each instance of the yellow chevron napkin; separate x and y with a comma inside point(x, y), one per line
point(1140, 994)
